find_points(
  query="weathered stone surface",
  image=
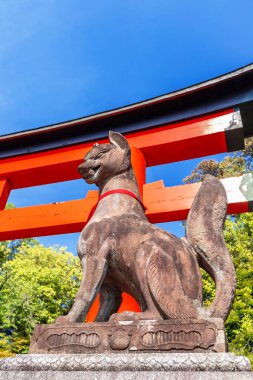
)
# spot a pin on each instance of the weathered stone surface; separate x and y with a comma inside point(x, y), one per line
point(222, 362)
point(124, 375)
point(120, 251)
point(129, 336)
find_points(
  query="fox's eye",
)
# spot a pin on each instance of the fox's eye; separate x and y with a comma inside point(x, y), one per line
point(99, 155)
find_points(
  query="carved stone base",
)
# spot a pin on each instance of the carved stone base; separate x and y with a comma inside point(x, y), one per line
point(129, 336)
point(127, 366)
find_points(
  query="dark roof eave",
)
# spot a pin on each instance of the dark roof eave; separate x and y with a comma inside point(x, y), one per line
point(145, 103)
point(228, 90)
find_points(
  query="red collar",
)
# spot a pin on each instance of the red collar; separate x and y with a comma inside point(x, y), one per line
point(116, 191)
point(122, 191)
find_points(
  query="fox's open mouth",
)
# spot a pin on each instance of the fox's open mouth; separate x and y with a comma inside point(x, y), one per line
point(92, 172)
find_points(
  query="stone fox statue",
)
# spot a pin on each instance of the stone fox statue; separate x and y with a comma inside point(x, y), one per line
point(121, 251)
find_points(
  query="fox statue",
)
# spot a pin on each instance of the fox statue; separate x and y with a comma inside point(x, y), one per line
point(120, 251)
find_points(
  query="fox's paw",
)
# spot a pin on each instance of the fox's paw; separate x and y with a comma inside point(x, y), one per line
point(133, 316)
point(125, 316)
point(63, 320)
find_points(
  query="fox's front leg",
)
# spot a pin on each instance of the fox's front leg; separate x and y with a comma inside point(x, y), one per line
point(94, 268)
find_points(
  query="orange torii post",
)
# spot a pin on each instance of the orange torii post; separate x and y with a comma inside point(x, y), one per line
point(209, 118)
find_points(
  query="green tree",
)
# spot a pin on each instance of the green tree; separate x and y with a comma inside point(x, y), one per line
point(37, 285)
point(239, 326)
point(238, 235)
point(232, 165)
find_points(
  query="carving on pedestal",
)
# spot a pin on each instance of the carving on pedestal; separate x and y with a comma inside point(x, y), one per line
point(87, 340)
point(119, 340)
point(161, 337)
point(170, 335)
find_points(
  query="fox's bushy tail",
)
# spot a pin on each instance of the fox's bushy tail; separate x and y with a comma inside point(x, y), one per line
point(204, 232)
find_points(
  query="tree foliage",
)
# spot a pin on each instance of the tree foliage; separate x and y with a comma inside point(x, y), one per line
point(37, 285)
point(239, 239)
point(232, 165)
point(239, 326)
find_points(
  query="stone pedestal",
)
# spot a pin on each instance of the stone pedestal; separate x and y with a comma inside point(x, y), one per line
point(127, 366)
point(127, 350)
point(130, 336)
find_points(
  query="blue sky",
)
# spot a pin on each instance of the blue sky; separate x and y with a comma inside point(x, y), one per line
point(62, 59)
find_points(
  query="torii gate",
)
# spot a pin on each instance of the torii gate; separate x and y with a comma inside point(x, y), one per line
point(205, 119)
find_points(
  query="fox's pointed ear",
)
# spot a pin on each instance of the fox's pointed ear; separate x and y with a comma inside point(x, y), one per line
point(118, 140)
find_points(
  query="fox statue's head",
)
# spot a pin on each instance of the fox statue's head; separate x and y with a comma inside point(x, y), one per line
point(106, 160)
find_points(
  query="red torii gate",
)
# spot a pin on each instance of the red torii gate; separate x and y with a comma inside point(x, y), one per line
point(206, 119)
